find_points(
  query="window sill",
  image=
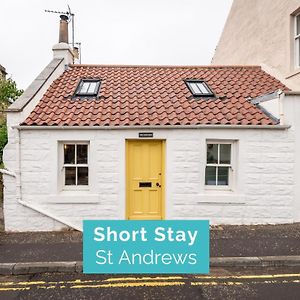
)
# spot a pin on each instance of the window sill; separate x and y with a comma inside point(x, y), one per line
point(221, 197)
point(217, 189)
point(78, 188)
point(74, 196)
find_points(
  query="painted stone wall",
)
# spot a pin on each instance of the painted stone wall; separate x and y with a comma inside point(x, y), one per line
point(261, 32)
point(263, 192)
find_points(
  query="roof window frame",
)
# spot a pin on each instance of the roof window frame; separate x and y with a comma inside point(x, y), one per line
point(82, 81)
point(188, 83)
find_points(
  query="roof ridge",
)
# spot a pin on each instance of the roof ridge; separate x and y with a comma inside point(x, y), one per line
point(170, 66)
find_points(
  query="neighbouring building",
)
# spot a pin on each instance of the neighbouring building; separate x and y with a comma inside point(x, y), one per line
point(2, 72)
point(266, 33)
point(151, 142)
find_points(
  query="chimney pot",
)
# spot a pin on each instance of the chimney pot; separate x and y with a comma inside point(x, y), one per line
point(63, 29)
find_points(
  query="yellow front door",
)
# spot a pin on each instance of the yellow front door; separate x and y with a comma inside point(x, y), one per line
point(145, 179)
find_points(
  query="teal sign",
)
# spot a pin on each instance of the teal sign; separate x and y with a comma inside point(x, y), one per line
point(145, 247)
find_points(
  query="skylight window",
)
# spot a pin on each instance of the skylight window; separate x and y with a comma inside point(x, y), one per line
point(88, 87)
point(199, 88)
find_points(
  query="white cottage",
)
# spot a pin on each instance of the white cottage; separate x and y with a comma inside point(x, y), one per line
point(151, 142)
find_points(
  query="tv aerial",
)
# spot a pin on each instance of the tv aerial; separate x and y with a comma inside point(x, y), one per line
point(71, 17)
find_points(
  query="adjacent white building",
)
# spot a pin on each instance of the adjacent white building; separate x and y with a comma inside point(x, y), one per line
point(265, 33)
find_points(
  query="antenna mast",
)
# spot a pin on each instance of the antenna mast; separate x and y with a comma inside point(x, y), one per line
point(71, 17)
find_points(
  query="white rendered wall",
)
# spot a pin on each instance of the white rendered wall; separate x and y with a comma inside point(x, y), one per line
point(264, 190)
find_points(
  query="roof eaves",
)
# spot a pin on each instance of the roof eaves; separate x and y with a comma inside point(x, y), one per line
point(151, 127)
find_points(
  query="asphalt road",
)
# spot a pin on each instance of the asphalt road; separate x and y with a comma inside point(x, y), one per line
point(257, 240)
point(220, 284)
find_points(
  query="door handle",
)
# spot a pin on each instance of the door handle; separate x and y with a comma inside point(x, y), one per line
point(157, 184)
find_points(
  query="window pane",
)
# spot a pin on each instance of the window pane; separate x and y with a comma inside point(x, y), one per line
point(210, 176)
point(298, 25)
point(82, 154)
point(84, 88)
point(212, 153)
point(298, 52)
point(202, 88)
point(92, 88)
point(70, 176)
point(223, 175)
point(225, 153)
point(195, 88)
point(83, 176)
point(69, 154)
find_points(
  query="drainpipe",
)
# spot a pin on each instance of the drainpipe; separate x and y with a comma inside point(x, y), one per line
point(280, 103)
point(18, 167)
point(19, 188)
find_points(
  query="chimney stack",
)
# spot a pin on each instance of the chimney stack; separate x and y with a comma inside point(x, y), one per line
point(62, 49)
point(63, 29)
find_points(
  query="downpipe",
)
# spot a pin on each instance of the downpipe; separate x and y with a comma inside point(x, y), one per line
point(280, 104)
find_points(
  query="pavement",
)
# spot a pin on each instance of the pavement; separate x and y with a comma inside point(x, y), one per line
point(230, 246)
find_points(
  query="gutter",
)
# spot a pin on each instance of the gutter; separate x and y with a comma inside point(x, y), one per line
point(153, 127)
point(17, 175)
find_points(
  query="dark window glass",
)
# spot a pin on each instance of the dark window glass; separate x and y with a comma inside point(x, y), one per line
point(76, 155)
point(212, 153)
point(298, 49)
point(218, 155)
point(69, 154)
point(298, 25)
point(223, 175)
point(210, 176)
point(225, 153)
point(70, 176)
point(83, 176)
point(82, 154)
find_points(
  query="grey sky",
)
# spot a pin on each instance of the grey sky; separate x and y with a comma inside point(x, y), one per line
point(167, 32)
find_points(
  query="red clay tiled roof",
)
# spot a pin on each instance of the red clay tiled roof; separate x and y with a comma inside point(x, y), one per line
point(155, 95)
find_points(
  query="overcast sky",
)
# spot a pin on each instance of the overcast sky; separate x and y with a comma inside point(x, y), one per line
point(164, 32)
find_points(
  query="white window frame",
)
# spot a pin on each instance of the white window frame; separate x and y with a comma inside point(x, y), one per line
point(63, 167)
point(231, 166)
point(296, 43)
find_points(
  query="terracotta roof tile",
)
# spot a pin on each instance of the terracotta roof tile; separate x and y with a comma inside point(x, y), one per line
point(155, 95)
